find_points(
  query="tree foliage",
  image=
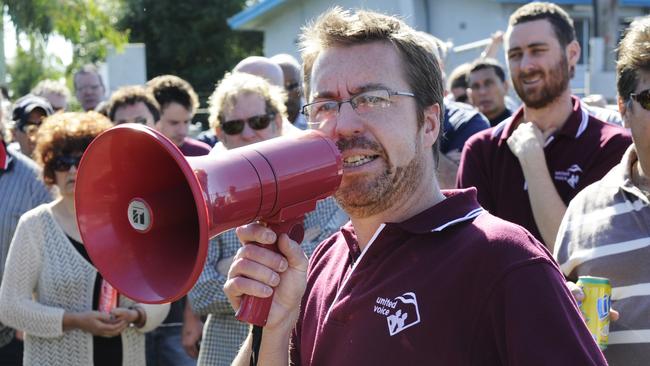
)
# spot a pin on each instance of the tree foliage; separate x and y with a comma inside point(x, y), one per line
point(88, 24)
point(189, 38)
point(30, 66)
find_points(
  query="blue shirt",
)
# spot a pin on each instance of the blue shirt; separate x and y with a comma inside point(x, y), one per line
point(461, 122)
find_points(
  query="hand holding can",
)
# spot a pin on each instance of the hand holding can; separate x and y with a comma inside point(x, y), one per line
point(596, 306)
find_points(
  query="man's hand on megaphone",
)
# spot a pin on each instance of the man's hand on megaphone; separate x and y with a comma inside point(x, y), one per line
point(255, 270)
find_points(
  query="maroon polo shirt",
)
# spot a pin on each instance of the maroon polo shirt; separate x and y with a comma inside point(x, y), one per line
point(452, 285)
point(580, 153)
point(192, 147)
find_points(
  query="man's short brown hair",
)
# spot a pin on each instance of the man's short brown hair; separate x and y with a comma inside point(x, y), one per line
point(66, 133)
point(129, 95)
point(633, 57)
point(170, 88)
point(341, 28)
point(560, 20)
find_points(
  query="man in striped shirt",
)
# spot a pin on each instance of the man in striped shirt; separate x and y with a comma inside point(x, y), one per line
point(606, 229)
point(21, 189)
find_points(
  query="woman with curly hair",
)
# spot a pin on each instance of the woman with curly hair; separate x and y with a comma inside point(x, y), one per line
point(51, 290)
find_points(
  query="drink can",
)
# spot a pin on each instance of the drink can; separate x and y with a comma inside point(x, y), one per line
point(595, 307)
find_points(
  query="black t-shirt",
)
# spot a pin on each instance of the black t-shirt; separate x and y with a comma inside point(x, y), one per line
point(106, 351)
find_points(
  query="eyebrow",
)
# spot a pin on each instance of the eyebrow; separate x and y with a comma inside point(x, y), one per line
point(530, 45)
point(354, 91)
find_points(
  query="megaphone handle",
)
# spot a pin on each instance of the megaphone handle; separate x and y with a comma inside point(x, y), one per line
point(255, 310)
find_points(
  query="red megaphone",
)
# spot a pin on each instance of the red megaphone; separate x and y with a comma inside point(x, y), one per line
point(146, 212)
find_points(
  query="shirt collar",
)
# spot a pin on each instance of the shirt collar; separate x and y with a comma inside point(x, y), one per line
point(573, 127)
point(460, 205)
point(4, 157)
point(621, 175)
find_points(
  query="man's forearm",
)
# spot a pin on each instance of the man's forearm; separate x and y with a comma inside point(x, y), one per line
point(274, 350)
point(547, 205)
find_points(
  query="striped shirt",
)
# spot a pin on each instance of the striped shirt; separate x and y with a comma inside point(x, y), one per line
point(606, 233)
point(21, 189)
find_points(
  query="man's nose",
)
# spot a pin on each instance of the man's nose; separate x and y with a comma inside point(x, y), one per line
point(348, 121)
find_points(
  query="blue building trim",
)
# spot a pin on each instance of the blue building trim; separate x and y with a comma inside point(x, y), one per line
point(245, 16)
point(642, 3)
point(559, 2)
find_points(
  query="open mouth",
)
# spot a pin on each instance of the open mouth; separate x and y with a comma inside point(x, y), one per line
point(531, 80)
point(358, 160)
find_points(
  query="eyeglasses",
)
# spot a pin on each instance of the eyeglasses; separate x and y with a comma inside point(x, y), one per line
point(65, 162)
point(365, 104)
point(236, 126)
point(292, 87)
point(643, 98)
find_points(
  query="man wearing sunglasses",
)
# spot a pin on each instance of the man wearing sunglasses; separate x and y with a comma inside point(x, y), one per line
point(528, 168)
point(605, 230)
point(28, 114)
point(244, 109)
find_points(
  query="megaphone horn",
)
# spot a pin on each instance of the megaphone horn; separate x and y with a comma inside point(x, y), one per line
point(146, 212)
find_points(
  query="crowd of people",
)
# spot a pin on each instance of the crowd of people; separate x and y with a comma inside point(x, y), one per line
point(463, 219)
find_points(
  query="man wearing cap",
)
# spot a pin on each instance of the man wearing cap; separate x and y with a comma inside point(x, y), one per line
point(28, 113)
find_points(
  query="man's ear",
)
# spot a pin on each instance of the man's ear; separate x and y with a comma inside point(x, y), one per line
point(624, 110)
point(573, 52)
point(219, 133)
point(432, 124)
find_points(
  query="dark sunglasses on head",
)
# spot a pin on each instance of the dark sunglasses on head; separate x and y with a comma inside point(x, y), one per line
point(236, 126)
point(64, 163)
point(642, 98)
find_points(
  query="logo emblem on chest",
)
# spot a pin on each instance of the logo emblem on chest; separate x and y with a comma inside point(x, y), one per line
point(571, 175)
point(401, 312)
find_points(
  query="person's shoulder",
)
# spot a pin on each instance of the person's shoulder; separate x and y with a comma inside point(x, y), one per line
point(504, 243)
point(607, 132)
point(201, 148)
point(37, 213)
point(329, 248)
point(23, 163)
point(487, 138)
point(458, 114)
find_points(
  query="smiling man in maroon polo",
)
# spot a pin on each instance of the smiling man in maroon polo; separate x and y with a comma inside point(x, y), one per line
point(417, 277)
point(529, 167)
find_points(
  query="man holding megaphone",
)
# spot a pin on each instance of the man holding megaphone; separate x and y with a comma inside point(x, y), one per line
point(419, 276)
point(244, 109)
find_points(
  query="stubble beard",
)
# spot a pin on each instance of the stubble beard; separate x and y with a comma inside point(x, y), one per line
point(556, 82)
point(368, 196)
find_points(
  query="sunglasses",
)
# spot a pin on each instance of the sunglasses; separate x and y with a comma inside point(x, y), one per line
point(643, 98)
point(236, 126)
point(65, 162)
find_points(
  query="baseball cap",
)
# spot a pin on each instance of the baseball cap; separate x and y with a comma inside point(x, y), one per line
point(25, 105)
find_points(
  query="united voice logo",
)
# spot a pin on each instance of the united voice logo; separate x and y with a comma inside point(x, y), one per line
point(571, 175)
point(401, 312)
